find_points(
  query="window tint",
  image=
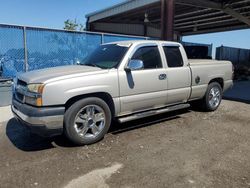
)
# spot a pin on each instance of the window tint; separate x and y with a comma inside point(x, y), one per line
point(150, 56)
point(173, 56)
point(106, 56)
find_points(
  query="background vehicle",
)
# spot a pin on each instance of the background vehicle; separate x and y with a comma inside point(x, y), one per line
point(122, 80)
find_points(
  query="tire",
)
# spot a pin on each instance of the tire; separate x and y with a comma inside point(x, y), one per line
point(213, 97)
point(87, 121)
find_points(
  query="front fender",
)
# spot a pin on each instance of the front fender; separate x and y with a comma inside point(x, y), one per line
point(59, 92)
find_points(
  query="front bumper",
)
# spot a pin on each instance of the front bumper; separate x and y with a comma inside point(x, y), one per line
point(44, 121)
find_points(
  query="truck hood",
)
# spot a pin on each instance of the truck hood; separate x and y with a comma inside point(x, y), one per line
point(59, 73)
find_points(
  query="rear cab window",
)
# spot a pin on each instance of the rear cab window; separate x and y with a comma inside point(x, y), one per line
point(173, 56)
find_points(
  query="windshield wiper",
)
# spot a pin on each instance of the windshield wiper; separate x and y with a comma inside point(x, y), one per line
point(93, 65)
point(90, 64)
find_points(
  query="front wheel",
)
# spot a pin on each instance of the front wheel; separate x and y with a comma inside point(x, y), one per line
point(87, 121)
point(213, 97)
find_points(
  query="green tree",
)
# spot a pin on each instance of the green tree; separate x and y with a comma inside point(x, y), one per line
point(72, 25)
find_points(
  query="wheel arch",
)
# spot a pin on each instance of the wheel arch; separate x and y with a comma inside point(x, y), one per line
point(219, 80)
point(102, 95)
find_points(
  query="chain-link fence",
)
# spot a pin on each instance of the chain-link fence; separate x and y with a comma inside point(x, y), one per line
point(11, 50)
point(29, 48)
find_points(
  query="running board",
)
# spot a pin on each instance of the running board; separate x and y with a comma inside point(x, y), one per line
point(152, 112)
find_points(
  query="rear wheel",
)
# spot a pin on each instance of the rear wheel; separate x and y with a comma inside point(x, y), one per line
point(213, 97)
point(87, 121)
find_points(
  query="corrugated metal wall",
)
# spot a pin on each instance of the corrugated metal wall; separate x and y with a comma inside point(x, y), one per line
point(237, 56)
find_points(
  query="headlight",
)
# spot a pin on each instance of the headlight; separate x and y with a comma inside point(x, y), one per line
point(35, 96)
point(36, 88)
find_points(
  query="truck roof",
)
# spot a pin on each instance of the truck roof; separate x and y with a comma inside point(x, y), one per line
point(128, 42)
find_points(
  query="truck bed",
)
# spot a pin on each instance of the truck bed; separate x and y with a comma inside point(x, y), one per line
point(205, 62)
point(204, 70)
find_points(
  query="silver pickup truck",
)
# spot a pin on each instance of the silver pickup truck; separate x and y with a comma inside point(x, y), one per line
point(122, 81)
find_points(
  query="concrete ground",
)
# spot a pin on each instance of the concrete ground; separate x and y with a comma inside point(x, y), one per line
point(182, 149)
point(5, 113)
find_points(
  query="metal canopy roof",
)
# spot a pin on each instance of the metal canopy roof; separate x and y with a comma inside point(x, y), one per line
point(191, 17)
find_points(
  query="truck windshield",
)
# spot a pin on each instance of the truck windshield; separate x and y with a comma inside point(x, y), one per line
point(106, 56)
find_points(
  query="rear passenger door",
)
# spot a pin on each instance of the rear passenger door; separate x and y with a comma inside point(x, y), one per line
point(178, 74)
point(146, 88)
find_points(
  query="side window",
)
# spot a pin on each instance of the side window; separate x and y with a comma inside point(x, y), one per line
point(173, 56)
point(150, 56)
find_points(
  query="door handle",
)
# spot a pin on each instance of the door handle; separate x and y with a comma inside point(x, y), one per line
point(162, 77)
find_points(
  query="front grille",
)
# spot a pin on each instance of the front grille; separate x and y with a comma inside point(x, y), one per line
point(19, 97)
point(20, 90)
point(21, 83)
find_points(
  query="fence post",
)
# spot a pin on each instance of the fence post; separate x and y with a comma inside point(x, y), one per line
point(221, 52)
point(238, 56)
point(102, 38)
point(25, 50)
point(211, 50)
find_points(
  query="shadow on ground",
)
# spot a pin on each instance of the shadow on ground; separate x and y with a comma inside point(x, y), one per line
point(118, 128)
point(24, 140)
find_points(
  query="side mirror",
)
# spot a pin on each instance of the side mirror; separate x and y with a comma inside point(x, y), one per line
point(134, 64)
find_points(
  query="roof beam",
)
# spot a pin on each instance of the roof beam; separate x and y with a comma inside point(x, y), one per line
point(236, 15)
point(205, 24)
point(213, 30)
point(216, 13)
point(225, 16)
point(217, 6)
point(200, 3)
point(202, 20)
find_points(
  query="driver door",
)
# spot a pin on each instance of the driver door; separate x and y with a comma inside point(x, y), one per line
point(145, 88)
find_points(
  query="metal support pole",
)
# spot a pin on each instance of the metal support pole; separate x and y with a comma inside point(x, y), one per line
point(25, 50)
point(163, 20)
point(167, 19)
point(145, 30)
point(102, 40)
point(221, 52)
